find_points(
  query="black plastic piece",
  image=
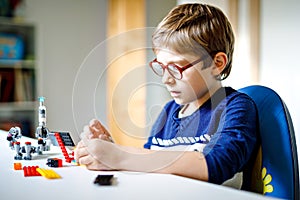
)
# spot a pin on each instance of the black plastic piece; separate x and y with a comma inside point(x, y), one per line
point(104, 179)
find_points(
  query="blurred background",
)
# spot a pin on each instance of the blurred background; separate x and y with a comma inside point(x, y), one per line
point(89, 60)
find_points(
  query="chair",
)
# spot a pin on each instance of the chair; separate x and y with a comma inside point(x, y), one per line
point(276, 171)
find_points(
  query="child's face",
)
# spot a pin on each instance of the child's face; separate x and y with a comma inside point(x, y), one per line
point(195, 84)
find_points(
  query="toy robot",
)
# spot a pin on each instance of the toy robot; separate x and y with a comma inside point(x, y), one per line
point(28, 149)
point(42, 132)
point(14, 134)
point(19, 155)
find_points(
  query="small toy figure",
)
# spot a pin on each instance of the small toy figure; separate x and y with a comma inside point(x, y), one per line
point(19, 155)
point(42, 132)
point(13, 135)
point(28, 149)
point(41, 146)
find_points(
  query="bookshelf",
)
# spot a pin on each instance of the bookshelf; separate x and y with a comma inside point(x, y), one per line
point(17, 76)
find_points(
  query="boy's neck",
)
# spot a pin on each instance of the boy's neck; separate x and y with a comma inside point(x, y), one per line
point(191, 107)
point(186, 110)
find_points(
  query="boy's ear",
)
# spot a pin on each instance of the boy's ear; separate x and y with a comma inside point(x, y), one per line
point(220, 62)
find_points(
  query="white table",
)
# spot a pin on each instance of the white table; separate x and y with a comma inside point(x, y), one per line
point(77, 183)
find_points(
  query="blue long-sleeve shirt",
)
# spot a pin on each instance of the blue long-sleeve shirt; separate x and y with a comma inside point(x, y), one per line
point(224, 128)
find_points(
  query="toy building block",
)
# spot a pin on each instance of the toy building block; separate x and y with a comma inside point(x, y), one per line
point(54, 162)
point(104, 179)
point(17, 166)
point(41, 146)
point(63, 148)
point(65, 137)
point(19, 155)
point(28, 150)
point(48, 173)
point(75, 163)
point(31, 171)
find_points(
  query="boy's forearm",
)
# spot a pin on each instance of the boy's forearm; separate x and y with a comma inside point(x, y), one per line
point(187, 164)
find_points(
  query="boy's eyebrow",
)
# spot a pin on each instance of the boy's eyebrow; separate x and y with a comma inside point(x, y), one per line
point(182, 61)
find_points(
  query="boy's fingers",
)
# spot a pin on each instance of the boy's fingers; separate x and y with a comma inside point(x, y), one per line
point(80, 151)
point(86, 160)
point(80, 144)
point(84, 138)
point(86, 132)
point(105, 137)
point(95, 123)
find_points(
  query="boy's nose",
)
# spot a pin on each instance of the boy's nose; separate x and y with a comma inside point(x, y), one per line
point(167, 78)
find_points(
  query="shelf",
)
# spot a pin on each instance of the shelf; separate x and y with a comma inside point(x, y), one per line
point(18, 22)
point(16, 64)
point(18, 106)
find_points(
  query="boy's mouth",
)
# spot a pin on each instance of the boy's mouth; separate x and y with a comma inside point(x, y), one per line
point(175, 93)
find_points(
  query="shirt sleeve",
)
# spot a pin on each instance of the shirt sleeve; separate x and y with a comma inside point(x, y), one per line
point(231, 146)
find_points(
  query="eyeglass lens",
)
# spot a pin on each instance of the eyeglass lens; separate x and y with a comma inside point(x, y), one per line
point(172, 69)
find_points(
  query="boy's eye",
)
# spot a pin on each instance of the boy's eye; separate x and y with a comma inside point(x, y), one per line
point(173, 68)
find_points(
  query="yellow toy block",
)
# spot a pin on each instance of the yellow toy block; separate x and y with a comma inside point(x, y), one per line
point(48, 173)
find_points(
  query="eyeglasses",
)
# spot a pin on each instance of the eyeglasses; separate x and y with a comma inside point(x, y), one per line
point(174, 70)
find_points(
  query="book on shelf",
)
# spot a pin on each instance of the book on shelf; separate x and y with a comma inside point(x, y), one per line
point(29, 84)
point(7, 85)
point(17, 85)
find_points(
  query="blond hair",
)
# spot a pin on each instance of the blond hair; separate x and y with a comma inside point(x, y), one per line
point(196, 28)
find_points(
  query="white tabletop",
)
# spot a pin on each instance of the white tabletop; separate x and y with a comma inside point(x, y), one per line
point(77, 183)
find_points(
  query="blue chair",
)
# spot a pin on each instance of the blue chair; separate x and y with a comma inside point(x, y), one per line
point(275, 170)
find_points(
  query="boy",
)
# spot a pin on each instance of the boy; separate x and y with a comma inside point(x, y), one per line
point(208, 132)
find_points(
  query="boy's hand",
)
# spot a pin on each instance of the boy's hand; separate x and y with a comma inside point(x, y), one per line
point(87, 149)
point(96, 154)
point(96, 130)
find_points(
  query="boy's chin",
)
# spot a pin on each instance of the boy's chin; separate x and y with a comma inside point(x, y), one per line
point(180, 101)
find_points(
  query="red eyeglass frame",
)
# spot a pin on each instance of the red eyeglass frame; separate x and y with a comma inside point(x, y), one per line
point(180, 69)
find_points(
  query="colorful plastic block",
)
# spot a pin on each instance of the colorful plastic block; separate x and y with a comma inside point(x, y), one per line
point(54, 162)
point(75, 163)
point(31, 171)
point(104, 179)
point(63, 148)
point(48, 173)
point(17, 166)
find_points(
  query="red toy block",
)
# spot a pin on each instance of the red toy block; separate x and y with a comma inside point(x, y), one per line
point(31, 171)
point(68, 159)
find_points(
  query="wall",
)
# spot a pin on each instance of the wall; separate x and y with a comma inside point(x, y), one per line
point(67, 30)
point(280, 42)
